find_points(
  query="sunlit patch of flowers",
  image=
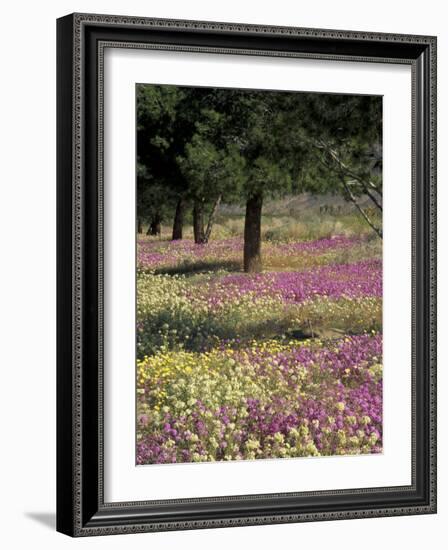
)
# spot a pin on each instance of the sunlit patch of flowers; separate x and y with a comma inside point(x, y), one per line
point(284, 363)
point(197, 313)
point(349, 280)
point(264, 400)
point(166, 255)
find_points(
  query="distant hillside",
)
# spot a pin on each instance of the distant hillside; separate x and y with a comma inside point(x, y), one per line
point(299, 204)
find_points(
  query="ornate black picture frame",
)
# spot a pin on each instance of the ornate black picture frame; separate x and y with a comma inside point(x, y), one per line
point(81, 509)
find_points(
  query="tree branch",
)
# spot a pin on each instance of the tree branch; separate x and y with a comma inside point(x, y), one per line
point(345, 170)
point(362, 212)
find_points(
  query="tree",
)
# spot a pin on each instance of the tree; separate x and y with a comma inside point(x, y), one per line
point(178, 222)
point(162, 130)
point(291, 142)
point(204, 145)
point(346, 135)
point(254, 123)
point(212, 173)
point(153, 202)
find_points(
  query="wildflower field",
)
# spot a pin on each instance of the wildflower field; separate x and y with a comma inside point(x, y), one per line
point(282, 363)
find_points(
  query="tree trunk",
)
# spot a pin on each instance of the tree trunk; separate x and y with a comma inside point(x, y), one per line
point(155, 226)
point(139, 225)
point(211, 219)
point(198, 222)
point(252, 234)
point(178, 223)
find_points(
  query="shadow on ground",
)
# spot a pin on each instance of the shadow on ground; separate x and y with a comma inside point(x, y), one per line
point(47, 519)
point(192, 268)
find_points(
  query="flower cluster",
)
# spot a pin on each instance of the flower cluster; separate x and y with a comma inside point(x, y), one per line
point(197, 313)
point(263, 400)
point(349, 280)
point(284, 363)
point(153, 254)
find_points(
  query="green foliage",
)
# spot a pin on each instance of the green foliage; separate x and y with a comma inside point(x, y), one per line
point(205, 143)
point(210, 171)
point(345, 133)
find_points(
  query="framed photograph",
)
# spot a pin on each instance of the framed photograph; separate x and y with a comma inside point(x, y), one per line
point(246, 274)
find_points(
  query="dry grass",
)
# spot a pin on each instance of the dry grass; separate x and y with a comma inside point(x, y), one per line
point(283, 227)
